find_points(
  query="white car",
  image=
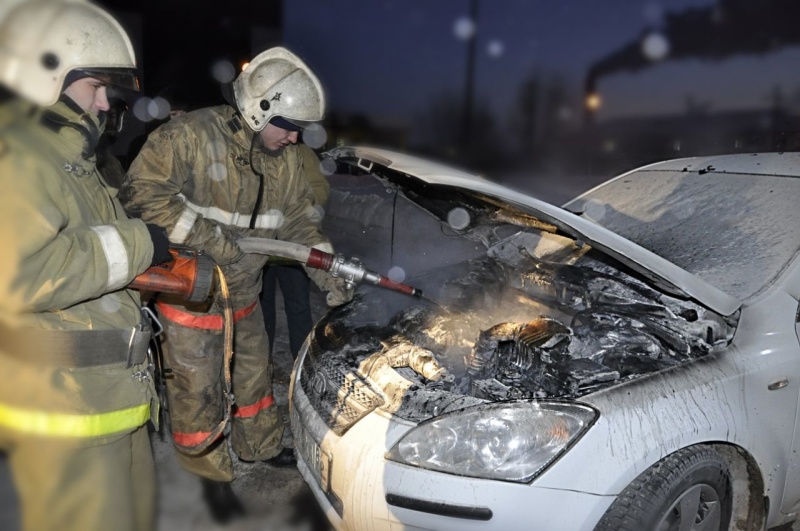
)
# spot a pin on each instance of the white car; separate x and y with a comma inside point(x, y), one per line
point(629, 362)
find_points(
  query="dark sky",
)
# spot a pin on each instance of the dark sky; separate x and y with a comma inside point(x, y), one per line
point(392, 59)
point(389, 56)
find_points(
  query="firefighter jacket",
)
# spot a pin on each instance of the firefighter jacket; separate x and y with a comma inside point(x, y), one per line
point(68, 252)
point(320, 187)
point(197, 176)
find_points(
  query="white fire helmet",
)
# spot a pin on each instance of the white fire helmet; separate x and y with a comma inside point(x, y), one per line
point(277, 83)
point(42, 41)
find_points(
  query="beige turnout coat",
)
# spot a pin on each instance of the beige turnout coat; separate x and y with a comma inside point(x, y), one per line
point(193, 177)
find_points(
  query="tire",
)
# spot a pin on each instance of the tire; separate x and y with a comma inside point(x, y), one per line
point(693, 483)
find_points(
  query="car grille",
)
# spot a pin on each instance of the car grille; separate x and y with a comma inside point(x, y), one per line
point(336, 393)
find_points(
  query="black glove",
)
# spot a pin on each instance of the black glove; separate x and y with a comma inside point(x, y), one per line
point(161, 252)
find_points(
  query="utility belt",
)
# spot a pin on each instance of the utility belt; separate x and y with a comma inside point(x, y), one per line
point(78, 348)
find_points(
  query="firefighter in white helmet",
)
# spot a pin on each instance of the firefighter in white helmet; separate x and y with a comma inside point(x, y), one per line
point(77, 394)
point(210, 177)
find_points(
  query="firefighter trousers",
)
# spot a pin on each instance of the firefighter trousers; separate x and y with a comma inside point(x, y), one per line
point(65, 485)
point(195, 391)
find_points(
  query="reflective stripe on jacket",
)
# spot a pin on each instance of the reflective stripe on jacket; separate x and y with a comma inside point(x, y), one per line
point(48, 424)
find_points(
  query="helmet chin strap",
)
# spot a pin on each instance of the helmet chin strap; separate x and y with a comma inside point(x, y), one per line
point(260, 175)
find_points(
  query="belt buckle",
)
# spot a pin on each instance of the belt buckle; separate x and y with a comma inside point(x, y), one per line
point(149, 324)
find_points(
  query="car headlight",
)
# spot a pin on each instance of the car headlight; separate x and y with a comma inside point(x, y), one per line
point(510, 441)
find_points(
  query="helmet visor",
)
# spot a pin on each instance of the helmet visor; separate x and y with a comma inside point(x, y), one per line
point(121, 78)
point(289, 125)
point(302, 124)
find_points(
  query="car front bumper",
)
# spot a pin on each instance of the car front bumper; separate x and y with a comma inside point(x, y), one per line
point(362, 491)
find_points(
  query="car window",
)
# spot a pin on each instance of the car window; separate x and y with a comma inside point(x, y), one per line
point(735, 231)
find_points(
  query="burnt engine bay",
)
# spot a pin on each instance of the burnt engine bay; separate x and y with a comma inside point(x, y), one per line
point(524, 314)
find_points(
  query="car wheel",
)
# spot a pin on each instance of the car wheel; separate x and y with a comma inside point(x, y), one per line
point(689, 490)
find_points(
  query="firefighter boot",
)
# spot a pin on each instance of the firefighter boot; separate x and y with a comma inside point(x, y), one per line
point(283, 460)
point(223, 504)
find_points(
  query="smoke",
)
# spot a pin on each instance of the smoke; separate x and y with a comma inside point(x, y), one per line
point(727, 29)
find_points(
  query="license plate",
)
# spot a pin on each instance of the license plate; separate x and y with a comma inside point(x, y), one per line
point(318, 462)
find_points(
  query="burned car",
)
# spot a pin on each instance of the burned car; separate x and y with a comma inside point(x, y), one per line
point(628, 362)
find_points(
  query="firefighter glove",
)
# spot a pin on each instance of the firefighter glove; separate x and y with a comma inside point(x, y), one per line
point(161, 253)
point(223, 248)
point(338, 292)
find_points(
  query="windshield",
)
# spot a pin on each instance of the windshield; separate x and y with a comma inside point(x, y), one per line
point(735, 231)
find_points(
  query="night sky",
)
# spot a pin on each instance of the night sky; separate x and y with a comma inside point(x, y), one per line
point(392, 57)
point(389, 56)
point(400, 66)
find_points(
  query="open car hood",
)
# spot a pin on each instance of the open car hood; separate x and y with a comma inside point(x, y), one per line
point(522, 300)
point(658, 270)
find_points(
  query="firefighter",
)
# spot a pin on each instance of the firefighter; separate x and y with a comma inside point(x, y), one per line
point(210, 177)
point(77, 394)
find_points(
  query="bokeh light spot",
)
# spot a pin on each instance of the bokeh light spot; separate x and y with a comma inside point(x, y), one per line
point(458, 218)
point(223, 71)
point(655, 46)
point(158, 108)
point(397, 274)
point(110, 303)
point(593, 101)
point(594, 209)
point(217, 172)
point(216, 150)
point(328, 166)
point(140, 109)
point(315, 136)
point(275, 218)
point(464, 28)
point(495, 49)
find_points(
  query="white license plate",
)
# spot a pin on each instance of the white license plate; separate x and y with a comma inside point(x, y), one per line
point(317, 461)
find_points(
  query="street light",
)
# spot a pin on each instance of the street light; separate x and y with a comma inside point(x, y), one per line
point(593, 102)
point(465, 29)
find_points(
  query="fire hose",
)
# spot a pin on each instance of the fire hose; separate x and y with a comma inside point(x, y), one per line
point(350, 269)
point(190, 273)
